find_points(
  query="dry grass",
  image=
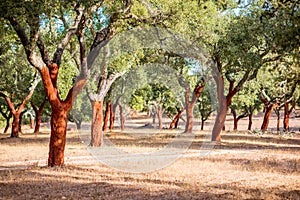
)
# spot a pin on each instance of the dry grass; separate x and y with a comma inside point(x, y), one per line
point(243, 166)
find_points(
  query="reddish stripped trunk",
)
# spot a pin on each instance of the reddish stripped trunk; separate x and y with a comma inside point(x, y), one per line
point(106, 116)
point(97, 119)
point(189, 106)
point(15, 125)
point(287, 113)
point(38, 115)
point(220, 121)
point(175, 121)
point(112, 118)
point(59, 114)
point(189, 118)
point(266, 120)
point(58, 136)
point(17, 113)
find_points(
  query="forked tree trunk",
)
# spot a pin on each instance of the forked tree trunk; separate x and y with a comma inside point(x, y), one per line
point(250, 121)
point(17, 113)
point(60, 110)
point(122, 118)
point(38, 115)
point(287, 113)
point(190, 104)
point(106, 116)
point(97, 119)
point(175, 121)
point(236, 119)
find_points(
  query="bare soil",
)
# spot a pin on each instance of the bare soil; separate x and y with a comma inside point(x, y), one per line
point(243, 166)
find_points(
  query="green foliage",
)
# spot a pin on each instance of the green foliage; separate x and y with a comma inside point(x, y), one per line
point(205, 105)
point(248, 99)
point(153, 94)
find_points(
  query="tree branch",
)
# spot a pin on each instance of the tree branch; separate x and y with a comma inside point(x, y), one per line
point(72, 30)
point(9, 103)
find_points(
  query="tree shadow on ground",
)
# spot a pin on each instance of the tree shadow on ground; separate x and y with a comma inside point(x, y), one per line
point(77, 183)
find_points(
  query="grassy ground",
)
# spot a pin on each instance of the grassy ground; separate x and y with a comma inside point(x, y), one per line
point(243, 166)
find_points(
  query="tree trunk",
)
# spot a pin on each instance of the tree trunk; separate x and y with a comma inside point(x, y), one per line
point(219, 122)
point(15, 125)
point(112, 118)
point(106, 116)
point(189, 118)
point(97, 119)
point(31, 122)
point(38, 119)
point(78, 124)
point(21, 122)
point(7, 125)
point(153, 120)
point(58, 136)
point(235, 121)
point(278, 119)
point(250, 121)
point(122, 118)
point(287, 113)
point(38, 115)
point(268, 111)
point(202, 123)
point(175, 121)
point(7, 118)
point(160, 120)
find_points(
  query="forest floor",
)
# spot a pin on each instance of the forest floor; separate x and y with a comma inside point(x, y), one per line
point(242, 166)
